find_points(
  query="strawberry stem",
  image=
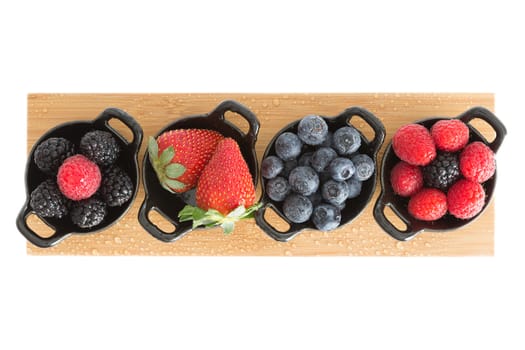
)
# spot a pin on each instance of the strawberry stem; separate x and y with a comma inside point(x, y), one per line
point(166, 171)
point(212, 217)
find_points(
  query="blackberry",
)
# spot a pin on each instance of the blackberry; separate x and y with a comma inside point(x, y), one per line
point(443, 171)
point(100, 146)
point(116, 187)
point(88, 212)
point(50, 154)
point(47, 201)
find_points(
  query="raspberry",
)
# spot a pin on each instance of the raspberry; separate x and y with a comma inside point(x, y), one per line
point(406, 179)
point(477, 162)
point(450, 135)
point(443, 171)
point(465, 199)
point(429, 204)
point(413, 144)
point(78, 177)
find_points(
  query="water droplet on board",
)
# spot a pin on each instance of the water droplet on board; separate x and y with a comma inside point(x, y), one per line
point(265, 104)
point(276, 102)
point(287, 253)
point(399, 245)
point(118, 240)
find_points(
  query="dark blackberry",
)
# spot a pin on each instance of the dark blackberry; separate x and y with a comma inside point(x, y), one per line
point(116, 187)
point(88, 212)
point(50, 154)
point(100, 146)
point(443, 171)
point(47, 201)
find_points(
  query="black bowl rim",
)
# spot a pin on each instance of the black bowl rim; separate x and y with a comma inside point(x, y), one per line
point(419, 226)
point(373, 146)
point(134, 145)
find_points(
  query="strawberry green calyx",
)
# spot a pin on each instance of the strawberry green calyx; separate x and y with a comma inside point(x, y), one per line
point(212, 217)
point(167, 172)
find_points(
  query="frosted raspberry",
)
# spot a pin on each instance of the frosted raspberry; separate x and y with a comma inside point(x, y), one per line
point(78, 177)
point(477, 162)
point(413, 144)
point(406, 179)
point(450, 135)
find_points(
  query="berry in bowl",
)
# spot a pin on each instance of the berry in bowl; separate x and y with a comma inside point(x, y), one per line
point(199, 172)
point(438, 174)
point(81, 177)
point(319, 173)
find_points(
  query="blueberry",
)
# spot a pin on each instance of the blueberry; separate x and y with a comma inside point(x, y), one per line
point(346, 140)
point(341, 169)
point(321, 158)
point(289, 165)
point(316, 198)
point(277, 188)
point(334, 192)
point(354, 187)
point(312, 130)
point(326, 217)
point(304, 180)
point(271, 166)
point(304, 159)
point(364, 166)
point(297, 208)
point(328, 141)
point(288, 146)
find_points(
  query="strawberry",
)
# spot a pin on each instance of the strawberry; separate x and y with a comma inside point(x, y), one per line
point(225, 190)
point(179, 156)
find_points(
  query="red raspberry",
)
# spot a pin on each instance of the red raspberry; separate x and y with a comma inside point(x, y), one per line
point(465, 199)
point(477, 162)
point(406, 179)
point(78, 177)
point(429, 204)
point(450, 135)
point(413, 144)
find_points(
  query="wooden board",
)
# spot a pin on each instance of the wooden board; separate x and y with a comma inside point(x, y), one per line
point(363, 237)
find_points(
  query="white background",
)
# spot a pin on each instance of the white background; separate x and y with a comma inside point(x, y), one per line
point(262, 303)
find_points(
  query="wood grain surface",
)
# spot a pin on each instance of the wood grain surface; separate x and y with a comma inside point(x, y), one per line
point(363, 237)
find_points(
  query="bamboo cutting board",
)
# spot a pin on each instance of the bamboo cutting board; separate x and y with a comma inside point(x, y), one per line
point(362, 237)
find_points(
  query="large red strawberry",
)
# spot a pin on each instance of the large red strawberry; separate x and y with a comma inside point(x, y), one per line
point(225, 191)
point(179, 156)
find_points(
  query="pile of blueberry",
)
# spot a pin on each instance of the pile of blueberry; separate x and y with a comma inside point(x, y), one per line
point(315, 172)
